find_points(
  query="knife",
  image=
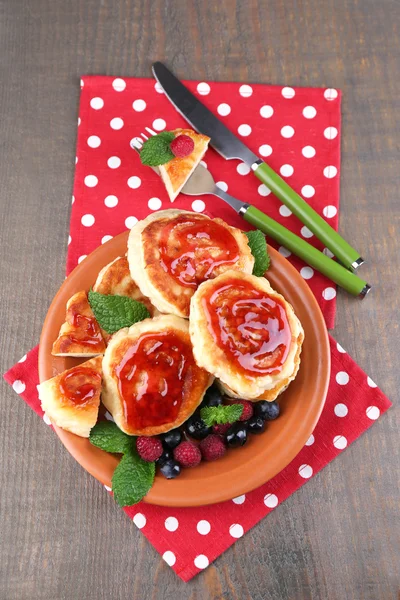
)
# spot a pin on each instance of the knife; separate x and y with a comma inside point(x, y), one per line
point(230, 147)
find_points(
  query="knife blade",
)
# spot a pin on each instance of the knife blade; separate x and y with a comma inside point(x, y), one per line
point(231, 147)
point(202, 119)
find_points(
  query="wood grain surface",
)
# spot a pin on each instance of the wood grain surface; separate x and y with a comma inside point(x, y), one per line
point(61, 536)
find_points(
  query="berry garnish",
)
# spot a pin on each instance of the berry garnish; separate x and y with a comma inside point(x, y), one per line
point(255, 425)
point(187, 454)
point(171, 439)
point(182, 146)
point(236, 435)
point(149, 448)
point(170, 469)
point(196, 428)
point(247, 409)
point(222, 428)
point(266, 410)
point(212, 447)
point(212, 397)
point(165, 456)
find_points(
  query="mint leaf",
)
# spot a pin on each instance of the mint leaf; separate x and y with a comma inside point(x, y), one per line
point(258, 247)
point(109, 437)
point(156, 151)
point(218, 415)
point(132, 479)
point(115, 312)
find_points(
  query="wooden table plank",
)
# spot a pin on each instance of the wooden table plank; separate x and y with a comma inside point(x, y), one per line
point(62, 536)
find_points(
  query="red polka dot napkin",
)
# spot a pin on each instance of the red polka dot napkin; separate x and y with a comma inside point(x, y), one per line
point(298, 130)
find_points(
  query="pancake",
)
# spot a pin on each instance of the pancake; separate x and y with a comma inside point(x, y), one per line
point(115, 280)
point(177, 171)
point(245, 334)
point(151, 381)
point(172, 251)
point(80, 335)
point(71, 400)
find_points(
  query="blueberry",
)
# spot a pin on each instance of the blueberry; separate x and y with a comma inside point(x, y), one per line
point(165, 456)
point(213, 396)
point(170, 469)
point(266, 410)
point(236, 435)
point(171, 439)
point(196, 428)
point(255, 425)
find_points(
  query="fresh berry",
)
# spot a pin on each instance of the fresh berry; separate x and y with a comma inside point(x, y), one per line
point(255, 425)
point(221, 429)
point(182, 146)
point(172, 439)
point(267, 410)
point(187, 454)
point(170, 469)
point(236, 435)
point(196, 428)
point(212, 447)
point(247, 409)
point(165, 456)
point(212, 397)
point(149, 448)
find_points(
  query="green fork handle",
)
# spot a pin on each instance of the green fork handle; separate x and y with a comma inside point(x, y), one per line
point(349, 257)
point(316, 259)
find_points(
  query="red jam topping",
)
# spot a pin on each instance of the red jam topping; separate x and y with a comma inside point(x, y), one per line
point(250, 326)
point(80, 385)
point(152, 377)
point(192, 248)
point(89, 332)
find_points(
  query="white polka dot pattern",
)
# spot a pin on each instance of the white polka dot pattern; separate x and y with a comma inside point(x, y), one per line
point(140, 520)
point(169, 558)
point(203, 527)
point(171, 523)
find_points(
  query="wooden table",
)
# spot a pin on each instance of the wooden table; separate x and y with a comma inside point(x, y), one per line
point(61, 536)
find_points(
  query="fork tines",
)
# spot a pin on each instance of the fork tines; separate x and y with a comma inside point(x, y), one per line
point(137, 142)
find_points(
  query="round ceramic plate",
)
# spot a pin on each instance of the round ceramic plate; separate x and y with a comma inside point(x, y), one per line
point(240, 470)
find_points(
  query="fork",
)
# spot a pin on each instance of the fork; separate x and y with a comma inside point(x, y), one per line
point(202, 182)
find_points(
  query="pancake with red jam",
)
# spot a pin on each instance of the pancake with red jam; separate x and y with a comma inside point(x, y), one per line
point(172, 252)
point(115, 280)
point(152, 383)
point(71, 400)
point(246, 335)
point(80, 335)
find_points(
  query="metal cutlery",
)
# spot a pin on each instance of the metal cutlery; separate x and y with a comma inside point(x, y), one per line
point(229, 146)
point(202, 182)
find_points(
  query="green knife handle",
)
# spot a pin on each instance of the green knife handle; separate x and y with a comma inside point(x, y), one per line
point(349, 257)
point(316, 259)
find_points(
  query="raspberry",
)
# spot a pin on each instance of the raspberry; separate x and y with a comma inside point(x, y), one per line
point(247, 409)
point(221, 429)
point(212, 447)
point(187, 454)
point(182, 146)
point(149, 448)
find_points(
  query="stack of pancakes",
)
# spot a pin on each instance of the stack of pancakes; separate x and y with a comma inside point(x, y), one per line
point(210, 318)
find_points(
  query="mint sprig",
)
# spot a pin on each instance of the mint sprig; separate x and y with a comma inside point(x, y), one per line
point(133, 477)
point(156, 150)
point(258, 247)
point(115, 312)
point(219, 415)
point(109, 437)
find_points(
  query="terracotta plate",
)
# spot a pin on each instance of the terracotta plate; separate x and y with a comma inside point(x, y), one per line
point(240, 470)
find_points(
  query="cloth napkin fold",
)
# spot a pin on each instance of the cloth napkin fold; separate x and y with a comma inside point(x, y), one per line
point(298, 130)
point(189, 539)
